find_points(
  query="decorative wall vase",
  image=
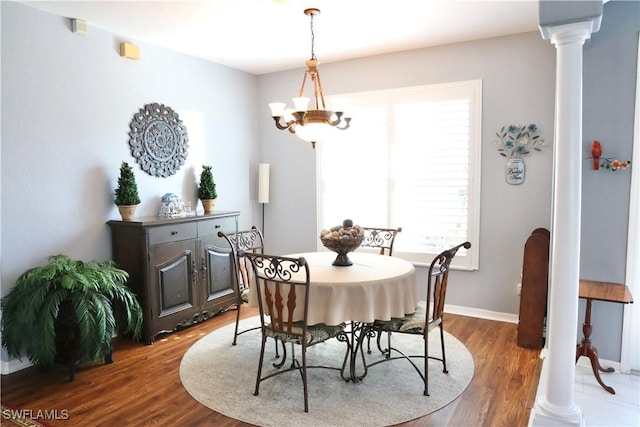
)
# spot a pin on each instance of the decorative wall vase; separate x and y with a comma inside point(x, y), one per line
point(514, 142)
point(514, 171)
point(158, 140)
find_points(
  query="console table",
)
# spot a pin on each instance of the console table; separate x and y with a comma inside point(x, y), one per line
point(599, 291)
point(179, 269)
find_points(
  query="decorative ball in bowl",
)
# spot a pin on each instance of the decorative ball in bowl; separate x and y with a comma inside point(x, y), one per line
point(342, 239)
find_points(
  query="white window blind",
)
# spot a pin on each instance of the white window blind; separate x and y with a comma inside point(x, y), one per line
point(411, 159)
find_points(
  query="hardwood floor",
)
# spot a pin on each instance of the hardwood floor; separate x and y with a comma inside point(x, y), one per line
point(142, 387)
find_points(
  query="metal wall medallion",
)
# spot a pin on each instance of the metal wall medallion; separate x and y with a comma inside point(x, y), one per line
point(158, 140)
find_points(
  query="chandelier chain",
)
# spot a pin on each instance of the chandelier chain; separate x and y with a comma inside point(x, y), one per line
point(313, 38)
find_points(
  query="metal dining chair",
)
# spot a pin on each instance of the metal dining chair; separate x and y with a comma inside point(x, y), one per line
point(248, 241)
point(282, 286)
point(428, 316)
point(382, 239)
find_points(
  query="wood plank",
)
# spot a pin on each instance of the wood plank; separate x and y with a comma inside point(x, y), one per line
point(142, 387)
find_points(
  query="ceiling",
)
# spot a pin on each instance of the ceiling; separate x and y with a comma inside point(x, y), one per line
point(262, 36)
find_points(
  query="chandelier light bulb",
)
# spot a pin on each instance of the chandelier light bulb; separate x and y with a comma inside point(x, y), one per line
point(301, 103)
point(277, 108)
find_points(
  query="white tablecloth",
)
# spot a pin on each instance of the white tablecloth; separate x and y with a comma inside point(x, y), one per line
point(374, 287)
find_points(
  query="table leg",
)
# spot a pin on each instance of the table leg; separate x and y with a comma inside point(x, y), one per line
point(586, 349)
point(354, 339)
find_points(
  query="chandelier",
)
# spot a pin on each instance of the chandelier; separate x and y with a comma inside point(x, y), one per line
point(311, 125)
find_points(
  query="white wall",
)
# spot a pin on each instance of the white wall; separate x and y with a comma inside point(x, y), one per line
point(518, 75)
point(67, 101)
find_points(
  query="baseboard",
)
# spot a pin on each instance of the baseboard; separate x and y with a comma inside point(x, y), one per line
point(14, 365)
point(481, 314)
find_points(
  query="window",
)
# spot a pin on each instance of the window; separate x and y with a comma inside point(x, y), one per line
point(411, 159)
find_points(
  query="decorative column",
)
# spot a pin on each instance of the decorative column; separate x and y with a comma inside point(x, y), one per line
point(556, 406)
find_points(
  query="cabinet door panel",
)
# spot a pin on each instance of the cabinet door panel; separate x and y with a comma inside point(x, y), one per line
point(174, 280)
point(217, 291)
point(219, 275)
point(172, 271)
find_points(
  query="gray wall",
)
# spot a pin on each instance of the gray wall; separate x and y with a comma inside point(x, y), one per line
point(67, 101)
point(610, 58)
point(518, 75)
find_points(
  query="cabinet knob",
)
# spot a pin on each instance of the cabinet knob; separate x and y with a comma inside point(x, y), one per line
point(216, 226)
point(173, 233)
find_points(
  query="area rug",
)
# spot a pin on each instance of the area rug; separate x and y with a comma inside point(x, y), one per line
point(222, 377)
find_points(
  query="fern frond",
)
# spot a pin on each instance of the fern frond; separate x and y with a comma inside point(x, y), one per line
point(41, 341)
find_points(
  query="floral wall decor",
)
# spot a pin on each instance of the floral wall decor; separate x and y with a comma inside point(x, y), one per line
point(158, 140)
point(514, 142)
point(609, 163)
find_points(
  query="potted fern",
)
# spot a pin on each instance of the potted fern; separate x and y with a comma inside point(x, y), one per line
point(207, 189)
point(67, 311)
point(126, 194)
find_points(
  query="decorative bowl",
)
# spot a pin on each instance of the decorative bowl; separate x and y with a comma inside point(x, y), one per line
point(342, 240)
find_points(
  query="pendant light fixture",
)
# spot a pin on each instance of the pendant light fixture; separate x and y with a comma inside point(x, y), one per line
point(315, 124)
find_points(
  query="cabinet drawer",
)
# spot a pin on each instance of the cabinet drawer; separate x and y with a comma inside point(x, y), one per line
point(172, 233)
point(211, 227)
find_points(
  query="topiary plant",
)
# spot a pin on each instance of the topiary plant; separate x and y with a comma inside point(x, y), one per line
point(207, 188)
point(67, 311)
point(126, 193)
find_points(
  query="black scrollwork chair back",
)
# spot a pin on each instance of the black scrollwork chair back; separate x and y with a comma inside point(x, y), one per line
point(247, 241)
point(282, 286)
point(428, 316)
point(380, 238)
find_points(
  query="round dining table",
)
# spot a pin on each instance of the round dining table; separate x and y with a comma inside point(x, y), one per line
point(375, 287)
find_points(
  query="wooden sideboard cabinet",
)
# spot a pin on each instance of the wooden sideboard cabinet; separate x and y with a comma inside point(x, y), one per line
point(179, 268)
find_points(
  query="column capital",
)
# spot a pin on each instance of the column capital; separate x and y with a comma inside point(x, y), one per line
point(558, 16)
point(576, 32)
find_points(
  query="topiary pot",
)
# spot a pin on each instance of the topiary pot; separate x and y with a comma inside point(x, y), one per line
point(127, 212)
point(208, 205)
